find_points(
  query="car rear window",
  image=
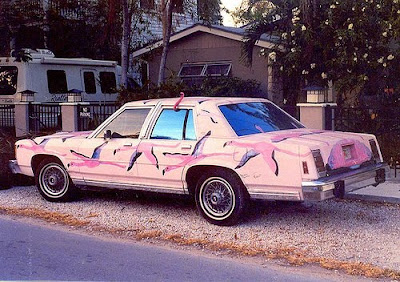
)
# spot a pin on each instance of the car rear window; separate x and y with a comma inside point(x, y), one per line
point(257, 117)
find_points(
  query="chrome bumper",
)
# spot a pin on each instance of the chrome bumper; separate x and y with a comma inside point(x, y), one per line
point(338, 185)
point(14, 167)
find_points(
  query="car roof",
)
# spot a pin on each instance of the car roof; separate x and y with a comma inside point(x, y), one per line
point(193, 101)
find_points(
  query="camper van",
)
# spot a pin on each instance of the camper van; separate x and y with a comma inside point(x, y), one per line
point(53, 78)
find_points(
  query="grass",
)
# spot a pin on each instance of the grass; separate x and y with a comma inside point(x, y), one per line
point(291, 255)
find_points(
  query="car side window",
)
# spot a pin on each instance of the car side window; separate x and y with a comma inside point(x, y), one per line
point(127, 124)
point(174, 125)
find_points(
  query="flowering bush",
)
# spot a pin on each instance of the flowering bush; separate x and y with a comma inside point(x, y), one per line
point(352, 43)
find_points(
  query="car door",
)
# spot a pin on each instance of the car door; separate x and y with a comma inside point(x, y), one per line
point(167, 150)
point(111, 160)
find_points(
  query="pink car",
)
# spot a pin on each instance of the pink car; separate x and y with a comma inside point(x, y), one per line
point(222, 151)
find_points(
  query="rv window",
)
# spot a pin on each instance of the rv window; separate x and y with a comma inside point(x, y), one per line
point(8, 80)
point(57, 81)
point(107, 82)
point(90, 82)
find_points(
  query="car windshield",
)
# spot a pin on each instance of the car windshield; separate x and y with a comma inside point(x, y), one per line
point(257, 117)
point(8, 80)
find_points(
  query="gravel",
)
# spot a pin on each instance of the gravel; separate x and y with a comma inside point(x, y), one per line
point(343, 230)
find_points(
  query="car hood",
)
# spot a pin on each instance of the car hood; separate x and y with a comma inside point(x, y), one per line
point(63, 136)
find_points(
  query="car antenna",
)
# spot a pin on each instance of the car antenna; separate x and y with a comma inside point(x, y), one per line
point(180, 100)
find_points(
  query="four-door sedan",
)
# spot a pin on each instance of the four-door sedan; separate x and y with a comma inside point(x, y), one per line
point(222, 151)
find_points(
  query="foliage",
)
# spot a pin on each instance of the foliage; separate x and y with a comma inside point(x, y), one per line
point(221, 87)
point(209, 11)
point(352, 43)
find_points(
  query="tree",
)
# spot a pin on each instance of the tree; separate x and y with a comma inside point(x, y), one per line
point(351, 43)
point(209, 13)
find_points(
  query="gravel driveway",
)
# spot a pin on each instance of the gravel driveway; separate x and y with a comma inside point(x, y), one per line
point(337, 230)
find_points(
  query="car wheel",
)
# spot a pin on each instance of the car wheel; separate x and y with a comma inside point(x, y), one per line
point(53, 181)
point(221, 198)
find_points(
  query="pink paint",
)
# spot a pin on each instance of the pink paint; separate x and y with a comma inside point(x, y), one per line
point(39, 148)
point(91, 163)
point(359, 154)
point(179, 101)
point(283, 136)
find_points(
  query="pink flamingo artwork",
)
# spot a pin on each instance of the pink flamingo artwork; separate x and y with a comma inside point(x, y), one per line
point(92, 161)
point(39, 147)
point(196, 156)
point(267, 151)
point(147, 149)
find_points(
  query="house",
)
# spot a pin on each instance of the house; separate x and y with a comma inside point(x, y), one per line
point(200, 51)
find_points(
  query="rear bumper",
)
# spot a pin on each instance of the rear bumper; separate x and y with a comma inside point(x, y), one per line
point(338, 185)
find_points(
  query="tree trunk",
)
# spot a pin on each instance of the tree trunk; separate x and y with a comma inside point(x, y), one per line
point(126, 30)
point(167, 29)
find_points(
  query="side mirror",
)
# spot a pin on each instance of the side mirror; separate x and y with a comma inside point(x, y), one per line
point(107, 134)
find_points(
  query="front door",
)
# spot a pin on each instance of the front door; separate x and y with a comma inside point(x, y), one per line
point(112, 160)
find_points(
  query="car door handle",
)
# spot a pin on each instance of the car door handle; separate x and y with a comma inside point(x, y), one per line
point(187, 147)
point(128, 145)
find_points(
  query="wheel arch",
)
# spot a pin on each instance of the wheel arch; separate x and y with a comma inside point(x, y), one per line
point(195, 172)
point(37, 159)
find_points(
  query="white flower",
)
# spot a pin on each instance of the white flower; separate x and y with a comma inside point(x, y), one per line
point(395, 1)
point(363, 9)
point(303, 28)
point(390, 26)
point(281, 68)
point(378, 6)
point(295, 19)
point(292, 33)
point(380, 60)
point(272, 56)
point(355, 59)
point(293, 50)
point(324, 75)
point(296, 11)
point(327, 22)
point(349, 71)
point(353, 9)
point(384, 65)
point(384, 34)
point(350, 27)
point(398, 11)
point(365, 78)
point(340, 38)
point(333, 6)
point(390, 57)
point(365, 56)
point(284, 35)
point(304, 72)
point(312, 66)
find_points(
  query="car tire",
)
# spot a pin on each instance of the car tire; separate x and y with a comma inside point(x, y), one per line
point(221, 198)
point(53, 181)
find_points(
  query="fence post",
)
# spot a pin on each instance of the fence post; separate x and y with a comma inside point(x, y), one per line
point(21, 119)
point(70, 115)
point(316, 115)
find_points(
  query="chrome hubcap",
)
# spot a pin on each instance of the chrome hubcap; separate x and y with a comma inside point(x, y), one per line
point(217, 197)
point(54, 180)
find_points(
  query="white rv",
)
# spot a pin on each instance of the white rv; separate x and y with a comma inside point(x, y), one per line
point(52, 78)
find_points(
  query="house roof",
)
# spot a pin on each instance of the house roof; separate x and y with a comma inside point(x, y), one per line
point(234, 33)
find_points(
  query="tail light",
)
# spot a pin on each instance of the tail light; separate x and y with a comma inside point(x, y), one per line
point(319, 163)
point(375, 151)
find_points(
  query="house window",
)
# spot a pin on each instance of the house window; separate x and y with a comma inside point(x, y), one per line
point(147, 4)
point(108, 82)
point(8, 80)
point(89, 82)
point(194, 73)
point(57, 81)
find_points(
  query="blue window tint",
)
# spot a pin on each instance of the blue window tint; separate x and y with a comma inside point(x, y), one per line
point(172, 124)
point(257, 117)
point(190, 132)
